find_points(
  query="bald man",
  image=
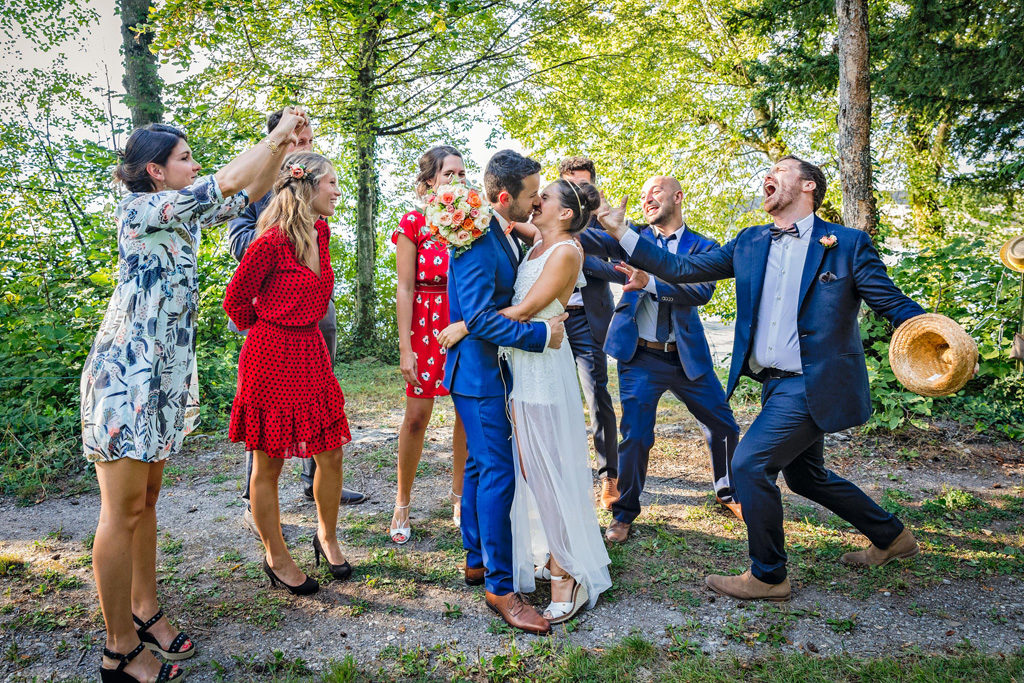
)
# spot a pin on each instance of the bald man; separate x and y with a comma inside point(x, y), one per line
point(658, 340)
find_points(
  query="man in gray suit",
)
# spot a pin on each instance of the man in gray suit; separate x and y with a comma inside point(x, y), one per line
point(241, 233)
point(590, 311)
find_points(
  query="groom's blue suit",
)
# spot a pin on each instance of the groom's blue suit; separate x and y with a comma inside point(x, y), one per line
point(827, 389)
point(481, 282)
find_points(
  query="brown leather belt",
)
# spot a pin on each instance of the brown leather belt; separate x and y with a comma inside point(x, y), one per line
point(666, 347)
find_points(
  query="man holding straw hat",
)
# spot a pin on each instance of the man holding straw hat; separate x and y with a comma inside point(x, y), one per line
point(799, 286)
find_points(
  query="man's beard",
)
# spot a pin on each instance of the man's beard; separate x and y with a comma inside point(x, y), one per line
point(777, 202)
point(518, 214)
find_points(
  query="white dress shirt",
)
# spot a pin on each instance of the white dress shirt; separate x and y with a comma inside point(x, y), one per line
point(647, 309)
point(776, 336)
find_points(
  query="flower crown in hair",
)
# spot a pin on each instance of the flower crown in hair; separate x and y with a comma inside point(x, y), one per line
point(297, 171)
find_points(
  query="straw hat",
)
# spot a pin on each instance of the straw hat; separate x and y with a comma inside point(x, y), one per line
point(1012, 254)
point(932, 355)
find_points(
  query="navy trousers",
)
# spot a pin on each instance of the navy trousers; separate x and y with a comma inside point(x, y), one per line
point(592, 367)
point(487, 489)
point(784, 438)
point(642, 381)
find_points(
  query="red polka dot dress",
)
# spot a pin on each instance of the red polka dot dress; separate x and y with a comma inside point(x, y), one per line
point(429, 304)
point(288, 402)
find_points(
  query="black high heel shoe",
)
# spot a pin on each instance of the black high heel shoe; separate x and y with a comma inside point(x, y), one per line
point(338, 571)
point(168, 672)
point(307, 587)
point(176, 651)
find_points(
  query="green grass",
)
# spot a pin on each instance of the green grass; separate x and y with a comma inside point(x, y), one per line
point(631, 659)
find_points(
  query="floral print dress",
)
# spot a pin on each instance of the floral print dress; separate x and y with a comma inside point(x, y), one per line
point(140, 390)
point(430, 307)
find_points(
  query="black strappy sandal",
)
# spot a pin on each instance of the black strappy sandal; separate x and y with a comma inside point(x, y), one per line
point(175, 652)
point(168, 672)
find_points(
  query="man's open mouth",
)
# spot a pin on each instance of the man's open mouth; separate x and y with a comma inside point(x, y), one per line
point(769, 188)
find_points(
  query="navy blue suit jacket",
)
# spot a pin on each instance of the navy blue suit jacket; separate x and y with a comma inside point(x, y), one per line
point(835, 376)
point(691, 344)
point(242, 230)
point(480, 283)
point(598, 302)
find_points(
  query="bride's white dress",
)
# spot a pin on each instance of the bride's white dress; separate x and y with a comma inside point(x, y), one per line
point(553, 508)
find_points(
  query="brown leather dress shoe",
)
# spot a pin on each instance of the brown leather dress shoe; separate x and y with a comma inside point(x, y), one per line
point(617, 531)
point(905, 545)
point(609, 492)
point(732, 506)
point(747, 587)
point(518, 614)
point(474, 575)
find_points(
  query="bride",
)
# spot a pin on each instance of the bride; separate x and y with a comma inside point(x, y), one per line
point(555, 533)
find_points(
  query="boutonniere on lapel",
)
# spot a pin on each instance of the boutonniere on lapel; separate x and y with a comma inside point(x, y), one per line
point(828, 241)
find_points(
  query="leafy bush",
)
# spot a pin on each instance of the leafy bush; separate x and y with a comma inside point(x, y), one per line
point(962, 280)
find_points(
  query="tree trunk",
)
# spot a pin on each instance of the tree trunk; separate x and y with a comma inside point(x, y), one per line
point(855, 116)
point(141, 80)
point(364, 336)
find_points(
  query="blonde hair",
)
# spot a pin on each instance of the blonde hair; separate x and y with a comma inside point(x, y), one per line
point(291, 208)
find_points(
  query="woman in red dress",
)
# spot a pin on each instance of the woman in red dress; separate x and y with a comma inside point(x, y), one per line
point(288, 402)
point(422, 313)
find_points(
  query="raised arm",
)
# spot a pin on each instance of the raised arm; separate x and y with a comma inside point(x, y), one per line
point(526, 232)
point(473, 273)
point(877, 288)
point(254, 170)
point(595, 268)
point(716, 264)
point(558, 276)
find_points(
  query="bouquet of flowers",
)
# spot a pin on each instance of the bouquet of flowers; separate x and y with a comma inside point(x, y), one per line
point(457, 214)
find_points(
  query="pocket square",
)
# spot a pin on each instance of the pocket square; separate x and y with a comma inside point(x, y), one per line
point(827, 276)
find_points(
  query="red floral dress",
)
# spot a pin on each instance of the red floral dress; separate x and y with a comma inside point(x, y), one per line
point(430, 305)
point(288, 402)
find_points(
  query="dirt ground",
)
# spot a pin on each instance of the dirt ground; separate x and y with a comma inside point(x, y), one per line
point(963, 496)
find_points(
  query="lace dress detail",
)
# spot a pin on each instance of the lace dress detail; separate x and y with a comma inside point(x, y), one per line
point(553, 508)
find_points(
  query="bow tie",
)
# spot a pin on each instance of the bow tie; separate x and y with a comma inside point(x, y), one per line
point(778, 232)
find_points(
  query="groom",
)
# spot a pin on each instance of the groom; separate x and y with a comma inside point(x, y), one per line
point(480, 283)
point(799, 286)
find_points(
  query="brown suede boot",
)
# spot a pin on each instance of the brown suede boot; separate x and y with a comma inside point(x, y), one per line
point(609, 492)
point(747, 587)
point(905, 545)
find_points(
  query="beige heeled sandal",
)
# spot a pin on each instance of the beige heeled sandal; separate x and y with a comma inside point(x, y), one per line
point(558, 612)
point(401, 534)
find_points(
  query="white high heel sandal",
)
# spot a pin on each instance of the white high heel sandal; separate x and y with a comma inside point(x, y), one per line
point(543, 572)
point(456, 508)
point(402, 534)
point(558, 612)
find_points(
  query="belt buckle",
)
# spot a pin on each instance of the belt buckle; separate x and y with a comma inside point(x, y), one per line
point(665, 345)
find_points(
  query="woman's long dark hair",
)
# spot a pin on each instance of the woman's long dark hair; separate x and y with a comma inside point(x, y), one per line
point(153, 143)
